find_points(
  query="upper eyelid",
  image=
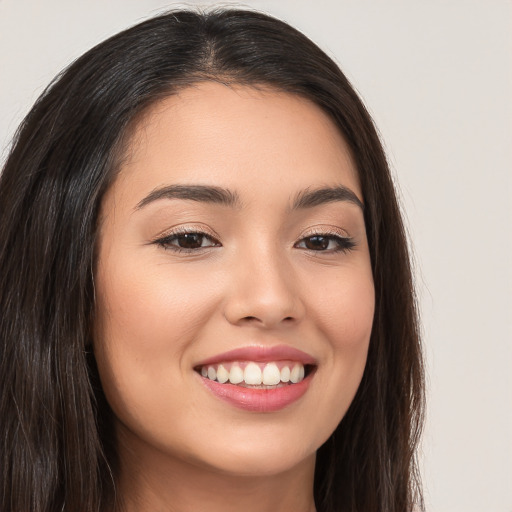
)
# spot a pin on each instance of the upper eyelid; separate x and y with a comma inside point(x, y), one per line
point(182, 230)
point(318, 230)
point(324, 230)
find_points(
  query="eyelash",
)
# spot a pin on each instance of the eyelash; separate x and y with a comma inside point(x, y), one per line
point(166, 241)
point(344, 243)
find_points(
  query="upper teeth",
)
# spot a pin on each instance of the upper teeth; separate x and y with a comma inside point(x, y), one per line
point(252, 373)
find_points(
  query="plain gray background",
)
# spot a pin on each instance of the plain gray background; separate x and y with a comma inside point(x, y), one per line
point(437, 78)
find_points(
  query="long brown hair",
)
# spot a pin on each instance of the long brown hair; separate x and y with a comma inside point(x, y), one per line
point(55, 451)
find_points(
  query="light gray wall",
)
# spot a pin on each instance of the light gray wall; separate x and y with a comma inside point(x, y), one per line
point(437, 77)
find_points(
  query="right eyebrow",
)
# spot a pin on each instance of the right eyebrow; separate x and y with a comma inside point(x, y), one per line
point(200, 193)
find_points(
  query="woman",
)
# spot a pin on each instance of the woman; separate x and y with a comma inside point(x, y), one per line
point(206, 294)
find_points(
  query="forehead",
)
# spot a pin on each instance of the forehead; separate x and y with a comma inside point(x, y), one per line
point(236, 137)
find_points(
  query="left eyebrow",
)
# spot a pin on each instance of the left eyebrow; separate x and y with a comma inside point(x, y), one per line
point(310, 198)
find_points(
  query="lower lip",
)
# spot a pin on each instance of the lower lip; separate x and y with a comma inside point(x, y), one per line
point(258, 400)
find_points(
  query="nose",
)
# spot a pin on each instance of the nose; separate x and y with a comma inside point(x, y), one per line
point(264, 293)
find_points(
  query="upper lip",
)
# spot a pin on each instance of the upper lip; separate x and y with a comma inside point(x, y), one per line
point(262, 354)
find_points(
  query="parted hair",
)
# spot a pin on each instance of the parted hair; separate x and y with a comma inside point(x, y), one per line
point(57, 451)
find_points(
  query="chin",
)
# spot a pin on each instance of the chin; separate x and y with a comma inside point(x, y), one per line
point(259, 451)
point(259, 463)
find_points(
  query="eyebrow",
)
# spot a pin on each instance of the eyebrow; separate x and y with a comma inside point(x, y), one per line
point(217, 195)
point(310, 198)
point(200, 193)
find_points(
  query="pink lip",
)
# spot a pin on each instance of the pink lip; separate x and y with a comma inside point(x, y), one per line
point(259, 400)
point(261, 354)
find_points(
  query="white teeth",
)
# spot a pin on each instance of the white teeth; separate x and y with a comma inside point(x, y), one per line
point(295, 374)
point(236, 374)
point(222, 374)
point(252, 374)
point(271, 375)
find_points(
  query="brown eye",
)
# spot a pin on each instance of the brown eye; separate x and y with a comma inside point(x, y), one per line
point(326, 243)
point(190, 240)
point(317, 243)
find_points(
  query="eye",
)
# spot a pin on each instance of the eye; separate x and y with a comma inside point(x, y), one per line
point(325, 243)
point(187, 241)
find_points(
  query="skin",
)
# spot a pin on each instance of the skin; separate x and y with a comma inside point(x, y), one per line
point(256, 282)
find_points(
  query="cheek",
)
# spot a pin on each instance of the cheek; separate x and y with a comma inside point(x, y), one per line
point(345, 308)
point(149, 308)
point(145, 323)
point(344, 315)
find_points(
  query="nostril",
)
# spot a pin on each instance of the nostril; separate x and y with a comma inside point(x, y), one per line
point(250, 318)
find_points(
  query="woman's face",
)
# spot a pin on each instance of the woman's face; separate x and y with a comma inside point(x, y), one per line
point(234, 289)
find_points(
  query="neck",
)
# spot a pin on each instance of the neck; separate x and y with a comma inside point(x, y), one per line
point(151, 481)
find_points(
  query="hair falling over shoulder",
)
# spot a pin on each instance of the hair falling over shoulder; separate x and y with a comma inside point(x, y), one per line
point(57, 451)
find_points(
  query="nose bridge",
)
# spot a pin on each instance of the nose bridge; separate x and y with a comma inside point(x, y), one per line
point(264, 290)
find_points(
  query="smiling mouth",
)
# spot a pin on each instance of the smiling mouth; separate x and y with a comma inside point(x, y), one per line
point(256, 375)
